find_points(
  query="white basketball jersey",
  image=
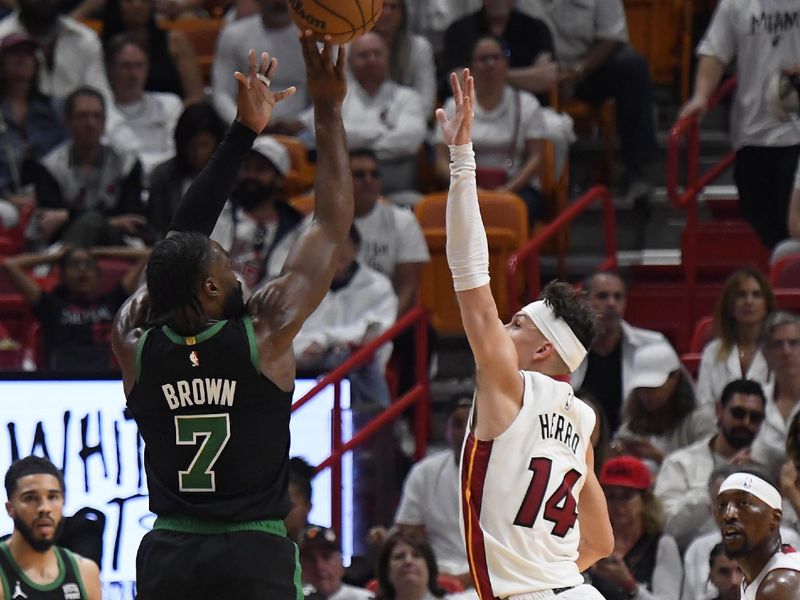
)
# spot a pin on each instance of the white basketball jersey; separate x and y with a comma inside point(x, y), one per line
point(788, 558)
point(519, 494)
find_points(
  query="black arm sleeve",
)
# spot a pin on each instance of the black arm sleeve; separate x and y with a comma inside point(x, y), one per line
point(202, 203)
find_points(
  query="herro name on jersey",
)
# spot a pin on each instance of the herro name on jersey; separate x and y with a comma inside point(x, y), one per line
point(199, 392)
point(557, 427)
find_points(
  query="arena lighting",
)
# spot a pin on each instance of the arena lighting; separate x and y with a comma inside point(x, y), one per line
point(82, 427)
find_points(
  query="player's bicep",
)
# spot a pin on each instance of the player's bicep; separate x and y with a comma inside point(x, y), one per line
point(128, 327)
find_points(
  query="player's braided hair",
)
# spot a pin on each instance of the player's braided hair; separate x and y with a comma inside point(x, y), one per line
point(176, 267)
point(571, 306)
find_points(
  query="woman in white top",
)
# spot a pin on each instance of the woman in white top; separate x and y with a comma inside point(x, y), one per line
point(745, 302)
point(411, 61)
point(508, 130)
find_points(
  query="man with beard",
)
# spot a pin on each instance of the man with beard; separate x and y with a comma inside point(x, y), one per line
point(682, 484)
point(31, 565)
point(724, 574)
point(607, 369)
point(256, 227)
point(209, 380)
point(748, 513)
point(79, 59)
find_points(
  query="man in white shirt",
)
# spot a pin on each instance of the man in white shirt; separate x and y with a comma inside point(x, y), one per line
point(72, 56)
point(429, 503)
point(607, 369)
point(272, 28)
point(379, 114)
point(138, 121)
point(682, 484)
point(763, 38)
point(321, 560)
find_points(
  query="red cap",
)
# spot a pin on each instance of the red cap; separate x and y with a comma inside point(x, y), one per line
point(625, 471)
point(18, 40)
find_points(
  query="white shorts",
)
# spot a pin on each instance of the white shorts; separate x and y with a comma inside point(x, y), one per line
point(579, 592)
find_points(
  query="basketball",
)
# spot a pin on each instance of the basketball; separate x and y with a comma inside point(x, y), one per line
point(343, 20)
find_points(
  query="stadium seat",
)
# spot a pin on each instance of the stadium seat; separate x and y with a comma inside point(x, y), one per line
point(202, 35)
point(450, 584)
point(785, 273)
point(703, 333)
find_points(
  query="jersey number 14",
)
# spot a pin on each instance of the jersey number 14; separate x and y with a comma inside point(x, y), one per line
point(561, 509)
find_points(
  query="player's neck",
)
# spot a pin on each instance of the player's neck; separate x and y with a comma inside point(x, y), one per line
point(757, 559)
point(27, 559)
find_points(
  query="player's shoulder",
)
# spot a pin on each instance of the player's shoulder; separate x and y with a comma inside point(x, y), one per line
point(782, 583)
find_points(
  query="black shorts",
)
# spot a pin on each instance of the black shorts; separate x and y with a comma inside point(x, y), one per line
point(240, 565)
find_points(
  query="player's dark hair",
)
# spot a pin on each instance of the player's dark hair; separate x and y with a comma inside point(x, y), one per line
point(176, 268)
point(418, 542)
point(747, 387)
point(570, 305)
point(300, 475)
point(82, 92)
point(30, 465)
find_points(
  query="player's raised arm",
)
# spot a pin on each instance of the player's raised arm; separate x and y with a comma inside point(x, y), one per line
point(282, 306)
point(499, 385)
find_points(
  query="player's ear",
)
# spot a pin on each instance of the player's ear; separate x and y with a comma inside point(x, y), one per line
point(10, 509)
point(210, 287)
point(775, 519)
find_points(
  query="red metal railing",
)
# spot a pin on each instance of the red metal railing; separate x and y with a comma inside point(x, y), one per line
point(688, 128)
point(529, 253)
point(417, 395)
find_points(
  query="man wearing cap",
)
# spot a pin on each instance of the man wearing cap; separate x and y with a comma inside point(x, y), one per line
point(748, 513)
point(256, 227)
point(682, 484)
point(78, 60)
point(608, 367)
point(430, 499)
point(661, 414)
point(533, 513)
point(321, 559)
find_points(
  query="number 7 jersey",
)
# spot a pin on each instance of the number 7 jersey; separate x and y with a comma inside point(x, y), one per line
point(519, 494)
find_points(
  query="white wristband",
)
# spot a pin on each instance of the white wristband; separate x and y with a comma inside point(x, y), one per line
point(467, 249)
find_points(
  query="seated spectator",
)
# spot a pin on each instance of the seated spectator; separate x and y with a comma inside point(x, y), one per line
point(75, 319)
point(172, 65)
point(429, 505)
point(256, 227)
point(528, 40)
point(430, 18)
point(724, 574)
point(682, 484)
point(597, 63)
point(607, 369)
point(79, 59)
point(697, 583)
point(407, 569)
point(272, 29)
point(645, 563)
point(197, 134)
point(321, 560)
point(661, 413)
point(782, 349)
point(29, 124)
point(300, 475)
point(508, 130)
point(359, 307)
point(411, 61)
point(745, 302)
point(88, 193)
point(381, 115)
point(791, 245)
point(139, 122)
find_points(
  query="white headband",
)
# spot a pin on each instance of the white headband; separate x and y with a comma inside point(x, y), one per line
point(557, 332)
point(753, 484)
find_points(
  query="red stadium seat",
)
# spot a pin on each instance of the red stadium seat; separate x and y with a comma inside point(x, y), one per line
point(785, 273)
point(703, 333)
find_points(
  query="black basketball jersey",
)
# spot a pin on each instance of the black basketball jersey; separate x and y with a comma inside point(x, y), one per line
point(216, 431)
point(16, 586)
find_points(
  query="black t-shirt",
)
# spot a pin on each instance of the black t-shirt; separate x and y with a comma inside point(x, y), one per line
point(216, 431)
point(525, 36)
point(604, 379)
point(77, 332)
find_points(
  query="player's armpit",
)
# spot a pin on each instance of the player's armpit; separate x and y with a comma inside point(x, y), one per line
point(780, 584)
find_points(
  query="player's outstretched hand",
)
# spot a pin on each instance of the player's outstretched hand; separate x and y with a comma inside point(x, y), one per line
point(457, 130)
point(255, 100)
point(327, 83)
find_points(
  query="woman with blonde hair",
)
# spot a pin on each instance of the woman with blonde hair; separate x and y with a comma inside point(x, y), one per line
point(743, 306)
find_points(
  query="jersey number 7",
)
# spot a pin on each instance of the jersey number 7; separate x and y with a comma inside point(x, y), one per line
point(561, 509)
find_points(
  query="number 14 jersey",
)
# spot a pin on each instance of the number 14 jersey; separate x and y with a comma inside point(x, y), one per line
point(519, 493)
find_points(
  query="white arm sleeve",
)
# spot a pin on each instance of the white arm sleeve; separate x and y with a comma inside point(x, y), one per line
point(467, 248)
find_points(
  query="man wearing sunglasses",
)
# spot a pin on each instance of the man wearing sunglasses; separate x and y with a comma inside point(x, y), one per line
point(682, 484)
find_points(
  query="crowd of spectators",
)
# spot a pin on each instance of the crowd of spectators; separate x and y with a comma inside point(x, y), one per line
point(100, 135)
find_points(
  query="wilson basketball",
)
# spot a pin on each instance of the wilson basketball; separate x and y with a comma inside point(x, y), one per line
point(343, 20)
